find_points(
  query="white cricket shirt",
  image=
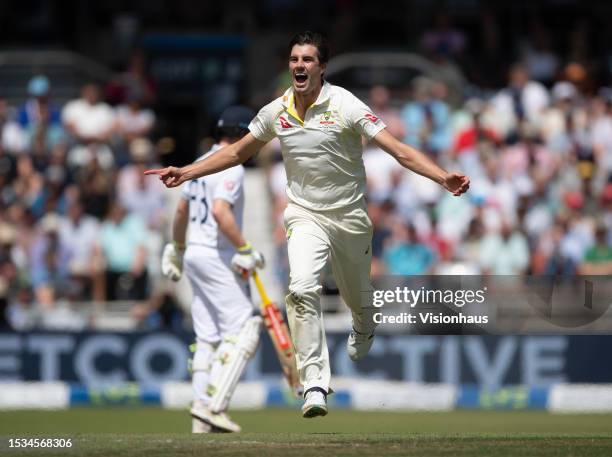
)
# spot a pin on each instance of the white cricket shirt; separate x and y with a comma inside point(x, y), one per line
point(201, 192)
point(322, 153)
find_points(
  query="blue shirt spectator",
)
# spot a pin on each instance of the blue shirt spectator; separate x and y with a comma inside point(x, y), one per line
point(405, 255)
point(427, 125)
point(123, 235)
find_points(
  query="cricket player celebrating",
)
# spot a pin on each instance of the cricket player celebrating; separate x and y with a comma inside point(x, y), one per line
point(320, 128)
point(208, 241)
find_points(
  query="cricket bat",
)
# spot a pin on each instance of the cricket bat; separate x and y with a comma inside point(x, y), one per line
point(279, 334)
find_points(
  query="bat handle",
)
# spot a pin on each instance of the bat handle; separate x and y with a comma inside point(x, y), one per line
point(260, 288)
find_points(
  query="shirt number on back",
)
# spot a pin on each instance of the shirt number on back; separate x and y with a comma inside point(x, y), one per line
point(198, 206)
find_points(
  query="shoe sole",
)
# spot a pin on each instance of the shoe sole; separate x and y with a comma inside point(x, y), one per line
point(314, 411)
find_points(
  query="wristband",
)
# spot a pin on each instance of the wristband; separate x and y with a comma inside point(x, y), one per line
point(246, 249)
point(178, 246)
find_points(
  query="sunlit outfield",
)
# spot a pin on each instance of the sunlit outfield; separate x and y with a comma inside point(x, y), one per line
point(279, 432)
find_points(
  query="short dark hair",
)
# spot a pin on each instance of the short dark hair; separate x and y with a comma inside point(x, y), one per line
point(315, 39)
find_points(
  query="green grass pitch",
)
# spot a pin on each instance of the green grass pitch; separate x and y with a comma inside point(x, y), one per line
point(280, 432)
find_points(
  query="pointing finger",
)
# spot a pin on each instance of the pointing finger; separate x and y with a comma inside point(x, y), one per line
point(156, 171)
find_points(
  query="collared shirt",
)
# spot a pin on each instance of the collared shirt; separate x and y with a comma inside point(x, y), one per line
point(322, 152)
point(201, 193)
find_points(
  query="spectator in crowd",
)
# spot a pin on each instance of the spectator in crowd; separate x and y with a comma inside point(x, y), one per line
point(140, 194)
point(578, 230)
point(426, 117)
point(381, 215)
point(91, 122)
point(549, 258)
point(123, 237)
point(383, 171)
point(50, 260)
point(54, 192)
point(468, 252)
point(133, 122)
point(12, 138)
point(82, 232)
point(554, 120)
point(522, 100)
point(96, 186)
point(598, 258)
point(528, 159)
point(404, 254)
point(601, 133)
point(505, 253)
point(28, 183)
point(38, 116)
point(8, 269)
point(475, 136)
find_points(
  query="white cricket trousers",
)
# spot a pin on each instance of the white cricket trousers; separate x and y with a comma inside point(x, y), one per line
point(343, 237)
point(221, 302)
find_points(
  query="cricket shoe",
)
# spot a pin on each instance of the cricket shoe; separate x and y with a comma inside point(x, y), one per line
point(224, 423)
point(220, 422)
point(358, 344)
point(315, 403)
point(199, 426)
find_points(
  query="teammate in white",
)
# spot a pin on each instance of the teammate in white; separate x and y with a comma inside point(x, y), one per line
point(217, 260)
point(320, 127)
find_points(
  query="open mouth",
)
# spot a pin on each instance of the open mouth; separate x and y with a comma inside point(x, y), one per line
point(301, 78)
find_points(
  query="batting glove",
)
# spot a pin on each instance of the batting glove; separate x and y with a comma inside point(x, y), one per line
point(246, 259)
point(172, 260)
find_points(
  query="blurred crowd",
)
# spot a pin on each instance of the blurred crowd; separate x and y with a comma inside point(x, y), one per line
point(540, 162)
point(80, 222)
point(77, 216)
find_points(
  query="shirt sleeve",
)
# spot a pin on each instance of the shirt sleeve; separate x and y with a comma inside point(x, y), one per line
point(262, 126)
point(229, 186)
point(361, 118)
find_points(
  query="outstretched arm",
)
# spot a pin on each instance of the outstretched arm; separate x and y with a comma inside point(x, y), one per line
point(229, 156)
point(418, 162)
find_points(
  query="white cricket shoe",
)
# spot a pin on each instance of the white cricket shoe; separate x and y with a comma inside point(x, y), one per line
point(358, 344)
point(198, 426)
point(315, 404)
point(220, 422)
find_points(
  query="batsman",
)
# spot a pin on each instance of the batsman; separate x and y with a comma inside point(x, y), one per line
point(320, 127)
point(207, 242)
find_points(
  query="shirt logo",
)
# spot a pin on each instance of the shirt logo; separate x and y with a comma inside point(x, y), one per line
point(325, 118)
point(284, 123)
point(371, 117)
point(229, 185)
